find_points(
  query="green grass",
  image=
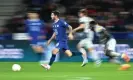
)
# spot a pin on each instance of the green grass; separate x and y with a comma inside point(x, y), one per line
point(64, 71)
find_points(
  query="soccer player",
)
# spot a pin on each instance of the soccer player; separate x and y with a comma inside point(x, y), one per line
point(86, 44)
point(34, 27)
point(59, 27)
point(108, 40)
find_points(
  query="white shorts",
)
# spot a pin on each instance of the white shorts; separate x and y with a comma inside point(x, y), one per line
point(86, 43)
point(110, 45)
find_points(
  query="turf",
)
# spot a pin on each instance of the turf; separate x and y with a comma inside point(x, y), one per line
point(64, 71)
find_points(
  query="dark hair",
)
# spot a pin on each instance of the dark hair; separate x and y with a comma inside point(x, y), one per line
point(93, 22)
point(57, 13)
point(84, 11)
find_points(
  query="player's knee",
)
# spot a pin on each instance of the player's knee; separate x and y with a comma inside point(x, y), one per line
point(108, 53)
point(37, 49)
point(55, 51)
point(70, 54)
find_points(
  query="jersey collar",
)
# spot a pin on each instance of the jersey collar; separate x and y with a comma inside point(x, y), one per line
point(56, 21)
point(33, 19)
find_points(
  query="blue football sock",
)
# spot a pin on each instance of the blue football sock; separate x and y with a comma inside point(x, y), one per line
point(52, 59)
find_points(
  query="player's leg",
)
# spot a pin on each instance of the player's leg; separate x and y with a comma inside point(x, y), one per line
point(42, 49)
point(54, 52)
point(110, 50)
point(37, 48)
point(68, 53)
point(95, 57)
point(123, 55)
point(81, 49)
point(52, 59)
point(66, 50)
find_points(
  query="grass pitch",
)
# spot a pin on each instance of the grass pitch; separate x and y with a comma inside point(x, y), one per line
point(64, 71)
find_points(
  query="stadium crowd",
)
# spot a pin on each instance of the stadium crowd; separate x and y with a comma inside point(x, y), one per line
point(115, 15)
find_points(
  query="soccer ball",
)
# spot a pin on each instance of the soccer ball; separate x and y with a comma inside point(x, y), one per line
point(16, 67)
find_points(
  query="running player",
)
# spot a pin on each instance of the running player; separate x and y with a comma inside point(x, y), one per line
point(59, 27)
point(86, 44)
point(34, 27)
point(108, 40)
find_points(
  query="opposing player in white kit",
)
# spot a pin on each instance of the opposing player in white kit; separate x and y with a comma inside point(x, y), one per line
point(86, 44)
point(109, 41)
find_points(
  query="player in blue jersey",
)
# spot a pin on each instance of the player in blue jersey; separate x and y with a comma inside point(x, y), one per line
point(59, 27)
point(34, 27)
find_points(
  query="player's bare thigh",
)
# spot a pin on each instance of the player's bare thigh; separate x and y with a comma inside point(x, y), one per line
point(38, 49)
point(68, 52)
point(111, 44)
point(80, 44)
point(87, 44)
point(55, 51)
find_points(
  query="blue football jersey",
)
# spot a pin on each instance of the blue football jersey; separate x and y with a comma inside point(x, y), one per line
point(34, 27)
point(59, 28)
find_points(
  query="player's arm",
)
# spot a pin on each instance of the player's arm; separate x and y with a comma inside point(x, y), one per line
point(106, 35)
point(80, 27)
point(106, 32)
point(70, 35)
point(103, 31)
point(53, 36)
point(70, 29)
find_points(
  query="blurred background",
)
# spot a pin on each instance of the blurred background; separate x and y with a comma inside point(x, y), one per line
point(115, 15)
point(15, 48)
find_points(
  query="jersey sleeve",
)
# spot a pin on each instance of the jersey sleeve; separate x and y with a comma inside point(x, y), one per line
point(65, 24)
point(81, 20)
point(99, 29)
